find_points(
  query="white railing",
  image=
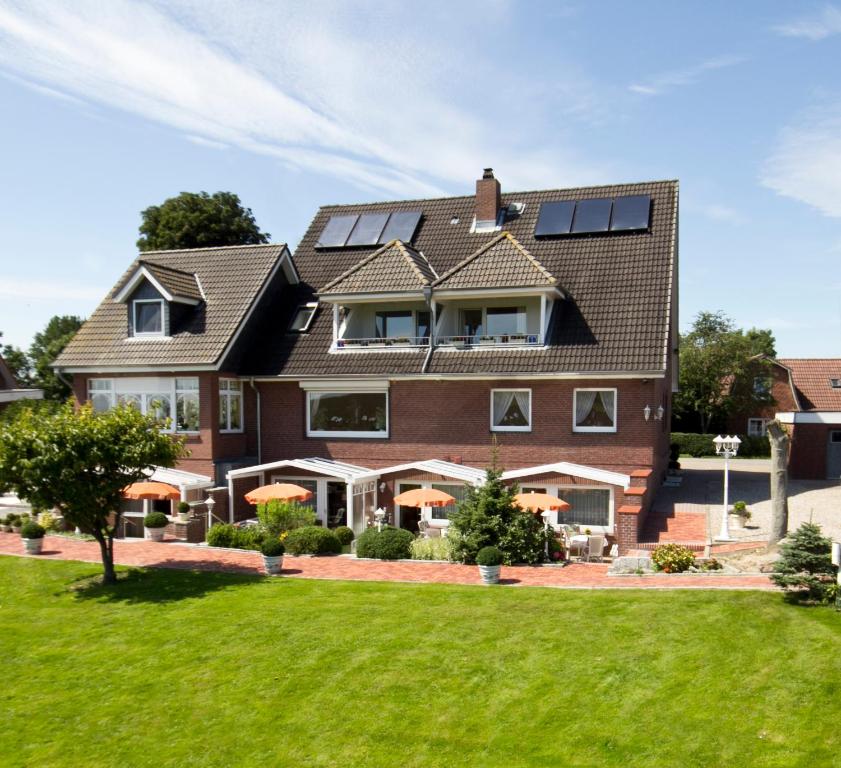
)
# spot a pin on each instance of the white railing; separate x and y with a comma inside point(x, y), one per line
point(374, 343)
point(502, 340)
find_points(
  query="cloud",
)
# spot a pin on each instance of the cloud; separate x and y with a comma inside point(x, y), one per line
point(45, 290)
point(358, 92)
point(666, 81)
point(816, 27)
point(724, 213)
point(203, 142)
point(806, 162)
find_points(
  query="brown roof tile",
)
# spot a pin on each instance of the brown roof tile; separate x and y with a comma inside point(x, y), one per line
point(395, 267)
point(811, 378)
point(178, 283)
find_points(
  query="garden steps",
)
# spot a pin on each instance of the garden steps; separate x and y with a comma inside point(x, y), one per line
point(684, 524)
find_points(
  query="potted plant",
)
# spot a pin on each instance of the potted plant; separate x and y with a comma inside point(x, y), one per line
point(272, 550)
point(401, 341)
point(5, 525)
point(154, 525)
point(183, 512)
point(487, 339)
point(517, 338)
point(489, 561)
point(740, 509)
point(32, 536)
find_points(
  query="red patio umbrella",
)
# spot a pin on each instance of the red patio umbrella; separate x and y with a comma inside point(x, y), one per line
point(279, 492)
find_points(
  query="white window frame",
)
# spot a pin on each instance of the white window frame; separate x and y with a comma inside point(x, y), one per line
point(614, 428)
point(225, 396)
point(134, 331)
point(762, 385)
point(173, 392)
point(350, 434)
point(312, 306)
point(496, 428)
point(558, 490)
point(763, 426)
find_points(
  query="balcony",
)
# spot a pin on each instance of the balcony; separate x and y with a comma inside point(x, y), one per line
point(500, 340)
point(399, 342)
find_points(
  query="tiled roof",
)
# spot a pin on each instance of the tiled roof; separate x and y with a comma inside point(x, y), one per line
point(811, 378)
point(501, 263)
point(394, 267)
point(231, 278)
point(616, 317)
point(178, 283)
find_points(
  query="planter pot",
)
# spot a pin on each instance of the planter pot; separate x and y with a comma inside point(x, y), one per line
point(154, 534)
point(273, 564)
point(183, 517)
point(33, 546)
point(489, 573)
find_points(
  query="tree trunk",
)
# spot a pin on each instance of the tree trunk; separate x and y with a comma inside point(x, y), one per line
point(779, 439)
point(106, 548)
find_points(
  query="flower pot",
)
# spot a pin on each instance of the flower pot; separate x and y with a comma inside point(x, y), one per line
point(489, 573)
point(273, 564)
point(33, 546)
point(183, 517)
point(154, 534)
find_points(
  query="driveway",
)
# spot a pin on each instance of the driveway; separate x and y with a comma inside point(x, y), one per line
point(703, 484)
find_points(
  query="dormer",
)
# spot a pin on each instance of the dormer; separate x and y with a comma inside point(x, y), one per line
point(158, 299)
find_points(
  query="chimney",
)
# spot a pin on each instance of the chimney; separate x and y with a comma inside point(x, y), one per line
point(487, 200)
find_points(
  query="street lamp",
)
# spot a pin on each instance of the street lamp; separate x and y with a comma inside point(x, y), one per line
point(727, 447)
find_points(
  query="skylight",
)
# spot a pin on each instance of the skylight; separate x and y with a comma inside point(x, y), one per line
point(303, 317)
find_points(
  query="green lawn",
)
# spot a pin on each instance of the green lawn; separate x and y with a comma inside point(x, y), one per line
point(185, 669)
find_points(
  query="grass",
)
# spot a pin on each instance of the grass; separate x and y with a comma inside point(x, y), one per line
point(174, 668)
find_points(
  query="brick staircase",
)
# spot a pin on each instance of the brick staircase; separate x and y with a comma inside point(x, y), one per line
point(679, 524)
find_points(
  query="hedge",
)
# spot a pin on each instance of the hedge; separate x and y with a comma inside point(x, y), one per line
point(698, 446)
point(312, 540)
point(387, 544)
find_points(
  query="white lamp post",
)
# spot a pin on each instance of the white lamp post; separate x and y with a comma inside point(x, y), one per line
point(546, 514)
point(727, 447)
point(379, 516)
point(210, 503)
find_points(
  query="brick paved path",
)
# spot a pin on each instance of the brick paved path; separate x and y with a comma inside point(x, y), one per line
point(172, 554)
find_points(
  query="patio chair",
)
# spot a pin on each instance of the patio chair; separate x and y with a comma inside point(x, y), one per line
point(595, 548)
point(423, 529)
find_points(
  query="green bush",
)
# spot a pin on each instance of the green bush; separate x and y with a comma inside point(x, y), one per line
point(388, 544)
point(277, 516)
point(272, 547)
point(49, 521)
point(700, 446)
point(431, 549)
point(221, 535)
point(232, 537)
point(805, 568)
point(155, 520)
point(31, 530)
point(489, 556)
point(312, 540)
point(345, 534)
point(183, 508)
point(672, 558)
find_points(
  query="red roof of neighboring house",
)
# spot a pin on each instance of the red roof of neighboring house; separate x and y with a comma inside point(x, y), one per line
point(812, 379)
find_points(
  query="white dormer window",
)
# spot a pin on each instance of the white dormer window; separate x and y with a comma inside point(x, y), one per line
point(303, 317)
point(148, 316)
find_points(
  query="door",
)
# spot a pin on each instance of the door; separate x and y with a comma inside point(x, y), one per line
point(336, 504)
point(409, 516)
point(833, 455)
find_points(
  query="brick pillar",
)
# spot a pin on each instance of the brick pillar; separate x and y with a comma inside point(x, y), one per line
point(627, 527)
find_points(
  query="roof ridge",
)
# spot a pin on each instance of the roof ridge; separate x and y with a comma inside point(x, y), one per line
point(215, 248)
point(525, 251)
point(401, 248)
point(165, 266)
point(405, 248)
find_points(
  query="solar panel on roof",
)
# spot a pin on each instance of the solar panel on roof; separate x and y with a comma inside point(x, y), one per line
point(555, 218)
point(368, 229)
point(592, 215)
point(630, 212)
point(336, 231)
point(401, 226)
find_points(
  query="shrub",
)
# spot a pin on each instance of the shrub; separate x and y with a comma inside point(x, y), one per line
point(805, 568)
point(430, 549)
point(221, 535)
point(313, 540)
point(232, 537)
point(277, 516)
point(672, 558)
point(156, 520)
point(345, 534)
point(740, 508)
point(31, 530)
point(489, 556)
point(49, 521)
point(183, 508)
point(699, 446)
point(711, 565)
point(388, 544)
point(272, 548)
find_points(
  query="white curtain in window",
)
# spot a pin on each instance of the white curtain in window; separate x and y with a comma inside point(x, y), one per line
point(609, 402)
point(502, 402)
point(584, 402)
point(315, 404)
point(522, 399)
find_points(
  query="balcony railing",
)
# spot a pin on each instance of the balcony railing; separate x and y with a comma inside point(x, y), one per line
point(502, 340)
point(374, 343)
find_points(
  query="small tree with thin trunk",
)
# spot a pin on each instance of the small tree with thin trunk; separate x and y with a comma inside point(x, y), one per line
point(79, 462)
point(779, 439)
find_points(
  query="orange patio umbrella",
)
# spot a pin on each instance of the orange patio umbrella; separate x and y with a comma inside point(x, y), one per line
point(150, 490)
point(424, 497)
point(539, 502)
point(278, 492)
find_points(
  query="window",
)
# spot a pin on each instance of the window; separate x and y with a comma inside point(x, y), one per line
point(148, 317)
point(395, 324)
point(187, 405)
point(347, 414)
point(423, 325)
point(761, 385)
point(510, 410)
point(303, 317)
point(758, 427)
point(101, 394)
point(594, 410)
point(457, 491)
point(471, 323)
point(835, 383)
point(230, 405)
point(504, 321)
point(587, 507)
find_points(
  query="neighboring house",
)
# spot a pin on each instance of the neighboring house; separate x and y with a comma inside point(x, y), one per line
point(770, 381)
point(10, 392)
point(403, 340)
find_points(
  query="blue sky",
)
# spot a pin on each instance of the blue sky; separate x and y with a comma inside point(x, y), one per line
point(110, 107)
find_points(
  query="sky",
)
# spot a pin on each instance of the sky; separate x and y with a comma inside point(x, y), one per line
point(109, 107)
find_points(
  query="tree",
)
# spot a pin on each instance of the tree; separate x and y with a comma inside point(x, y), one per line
point(805, 568)
point(79, 462)
point(199, 220)
point(718, 364)
point(18, 363)
point(779, 440)
point(45, 348)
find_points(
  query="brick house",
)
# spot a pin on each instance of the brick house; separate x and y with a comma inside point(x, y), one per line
point(403, 340)
point(771, 382)
point(11, 391)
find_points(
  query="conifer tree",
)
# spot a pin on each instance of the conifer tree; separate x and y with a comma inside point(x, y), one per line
point(805, 568)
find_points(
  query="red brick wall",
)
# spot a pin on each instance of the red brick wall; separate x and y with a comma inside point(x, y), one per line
point(780, 391)
point(451, 420)
point(807, 453)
